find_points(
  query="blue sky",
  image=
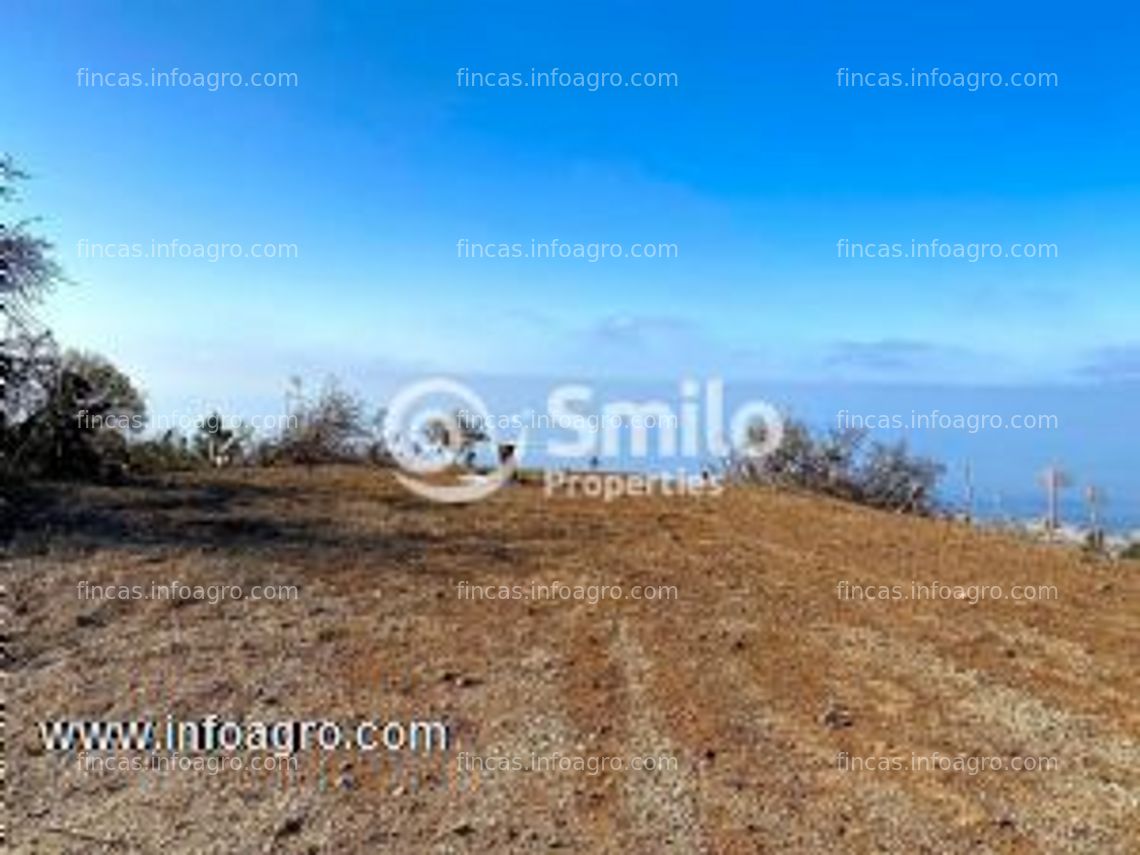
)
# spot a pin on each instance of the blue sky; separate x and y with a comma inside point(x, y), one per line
point(754, 165)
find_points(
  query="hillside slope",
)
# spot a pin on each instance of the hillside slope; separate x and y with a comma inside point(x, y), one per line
point(756, 677)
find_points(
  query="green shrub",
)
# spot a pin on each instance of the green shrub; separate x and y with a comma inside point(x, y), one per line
point(73, 421)
point(170, 452)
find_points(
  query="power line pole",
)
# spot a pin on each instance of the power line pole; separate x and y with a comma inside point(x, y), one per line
point(969, 476)
point(1095, 496)
point(1054, 479)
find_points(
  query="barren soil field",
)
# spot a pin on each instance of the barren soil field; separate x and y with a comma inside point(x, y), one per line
point(756, 677)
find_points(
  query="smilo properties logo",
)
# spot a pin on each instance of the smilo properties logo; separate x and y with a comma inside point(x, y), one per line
point(426, 438)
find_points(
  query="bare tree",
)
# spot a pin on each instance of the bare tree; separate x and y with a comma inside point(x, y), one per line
point(27, 269)
point(841, 463)
point(325, 429)
point(28, 354)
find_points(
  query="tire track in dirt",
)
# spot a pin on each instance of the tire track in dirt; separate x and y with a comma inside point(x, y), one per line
point(661, 796)
point(1098, 774)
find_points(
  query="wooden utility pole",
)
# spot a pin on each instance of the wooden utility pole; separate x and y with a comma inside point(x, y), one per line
point(1095, 496)
point(969, 477)
point(294, 395)
point(1054, 480)
point(999, 506)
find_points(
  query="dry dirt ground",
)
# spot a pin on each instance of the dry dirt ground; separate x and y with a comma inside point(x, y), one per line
point(755, 678)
